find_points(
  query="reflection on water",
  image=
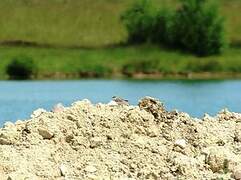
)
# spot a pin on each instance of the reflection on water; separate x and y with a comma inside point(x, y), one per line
point(19, 99)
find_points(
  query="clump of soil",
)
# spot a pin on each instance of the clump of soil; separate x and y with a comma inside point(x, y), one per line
point(87, 141)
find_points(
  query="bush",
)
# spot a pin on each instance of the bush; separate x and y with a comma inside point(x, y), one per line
point(138, 20)
point(21, 67)
point(195, 27)
point(198, 28)
point(161, 27)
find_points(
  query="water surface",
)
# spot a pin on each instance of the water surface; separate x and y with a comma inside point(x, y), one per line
point(19, 98)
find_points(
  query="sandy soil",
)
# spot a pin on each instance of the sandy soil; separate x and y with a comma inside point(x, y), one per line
point(110, 141)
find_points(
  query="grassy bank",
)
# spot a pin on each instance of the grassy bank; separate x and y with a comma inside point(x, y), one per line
point(135, 61)
point(81, 23)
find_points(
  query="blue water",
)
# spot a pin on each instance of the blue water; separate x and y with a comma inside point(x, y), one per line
point(19, 98)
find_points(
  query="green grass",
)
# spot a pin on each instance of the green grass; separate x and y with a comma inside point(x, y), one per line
point(68, 25)
point(83, 22)
point(62, 22)
point(69, 63)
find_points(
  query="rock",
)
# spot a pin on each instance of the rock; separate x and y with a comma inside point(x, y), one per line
point(8, 136)
point(181, 143)
point(8, 125)
point(20, 176)
point(207, 117)
point(71, 118)
point(218, 160)
point(227, 115)
point(237, 175)
point(19, 122)
point(185, 165)
point(153, 131)
point(45, 133)
point(83, 103)
point(152, 105)
point(4, 141)
point(37, 113)
point(90, 169)
point(126, 178)
point(95, 142)
point(93, 177)
point(69, 138)
point(63, 170)
point(238, 133)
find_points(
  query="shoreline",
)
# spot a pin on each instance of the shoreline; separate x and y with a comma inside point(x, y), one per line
point(132, 62)
point(138, 76)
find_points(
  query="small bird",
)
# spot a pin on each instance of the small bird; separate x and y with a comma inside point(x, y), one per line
point(120, 101)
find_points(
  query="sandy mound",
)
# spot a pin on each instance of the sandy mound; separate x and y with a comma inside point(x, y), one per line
point(87, 141)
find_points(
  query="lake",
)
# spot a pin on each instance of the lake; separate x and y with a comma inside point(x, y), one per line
point(19, 98)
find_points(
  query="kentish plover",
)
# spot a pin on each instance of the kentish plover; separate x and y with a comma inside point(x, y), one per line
point(120, 101)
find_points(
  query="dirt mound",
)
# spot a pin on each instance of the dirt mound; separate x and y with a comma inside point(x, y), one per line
point(108, 141)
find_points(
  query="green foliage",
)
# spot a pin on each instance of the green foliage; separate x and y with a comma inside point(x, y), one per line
point(141, 66)
point(146, 24)
point(198, 28)
point(94, 71)
point(208, 65)
point(161, 27)
point(21, 67)
point(195, 27)
point(138, 20)
point(233, 68)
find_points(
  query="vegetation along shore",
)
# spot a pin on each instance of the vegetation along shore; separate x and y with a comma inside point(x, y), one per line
point(75, 39)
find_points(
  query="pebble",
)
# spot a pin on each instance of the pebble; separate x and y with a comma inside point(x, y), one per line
point(153, 131)
point(63, 170)
point(218, 159)
point(95, 142)
point(238, 133)
point(8, 124)
point(19, 122)
point(4, 141)
point(237, 175)
point(38, 112)
point(181, 143)
point(45, 133)
point(90, 169)
point(92, 177)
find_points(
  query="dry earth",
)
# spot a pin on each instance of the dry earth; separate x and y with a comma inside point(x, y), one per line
point(109, 141)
